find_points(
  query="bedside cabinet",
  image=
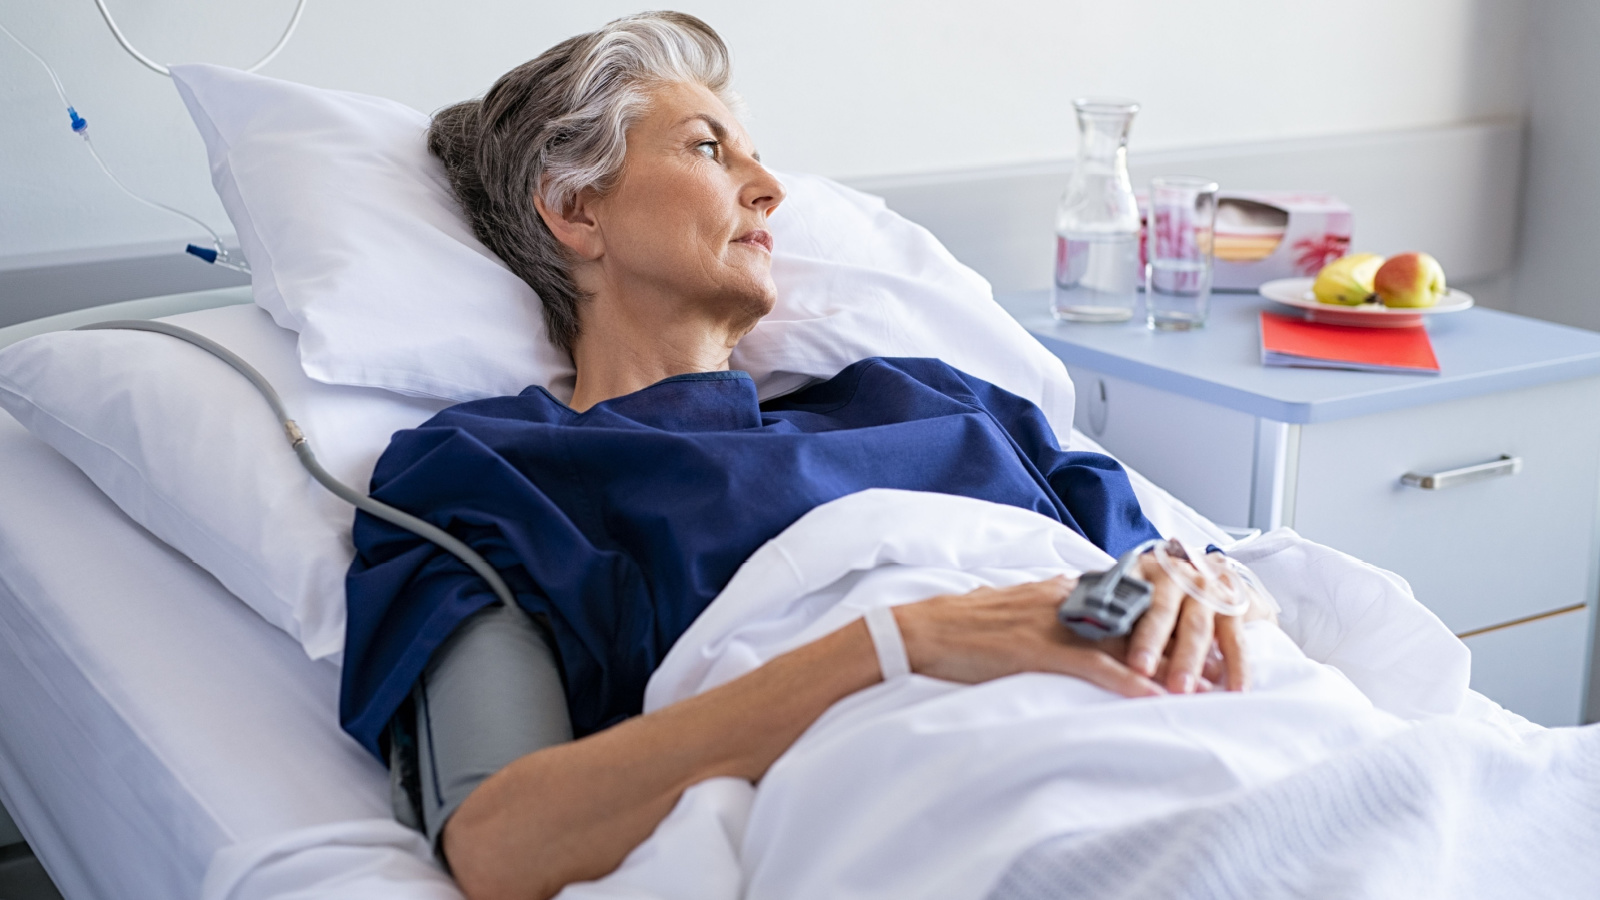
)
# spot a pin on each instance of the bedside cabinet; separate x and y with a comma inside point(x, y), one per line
point(1480, 486)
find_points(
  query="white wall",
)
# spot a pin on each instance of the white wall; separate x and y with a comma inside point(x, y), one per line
point(850, 88)
point(1561, 219)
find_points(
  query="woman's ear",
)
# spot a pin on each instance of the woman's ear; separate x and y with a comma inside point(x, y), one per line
point(576, 227)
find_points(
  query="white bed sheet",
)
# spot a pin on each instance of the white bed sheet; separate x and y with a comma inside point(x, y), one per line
point(147, 716)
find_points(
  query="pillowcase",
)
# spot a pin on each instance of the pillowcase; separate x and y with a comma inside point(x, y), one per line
point(856, 280)
point(189, 450)
point(356, 242)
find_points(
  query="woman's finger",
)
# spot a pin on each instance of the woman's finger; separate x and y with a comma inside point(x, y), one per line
point(1100, 669)
point(1230, 639)
point(1150, 635)
point(1214, 668)
point(1189, 647)
point(1205, 683)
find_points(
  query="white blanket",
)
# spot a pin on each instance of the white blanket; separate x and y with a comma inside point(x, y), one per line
point(921, 788)
point(1451, 809)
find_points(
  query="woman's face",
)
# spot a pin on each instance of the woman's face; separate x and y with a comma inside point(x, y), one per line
point(687, 221)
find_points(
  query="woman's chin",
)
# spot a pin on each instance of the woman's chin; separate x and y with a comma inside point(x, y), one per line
point(744, 293)
point(749, 307)
point(755, 293)
point(766, 300)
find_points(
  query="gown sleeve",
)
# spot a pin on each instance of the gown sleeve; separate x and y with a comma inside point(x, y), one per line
point(404, 595)
point(1093, 486)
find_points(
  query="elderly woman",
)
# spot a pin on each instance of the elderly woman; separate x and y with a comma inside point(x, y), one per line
point(612, 174)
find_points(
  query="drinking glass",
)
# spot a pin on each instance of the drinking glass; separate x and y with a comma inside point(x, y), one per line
point(1182, 223)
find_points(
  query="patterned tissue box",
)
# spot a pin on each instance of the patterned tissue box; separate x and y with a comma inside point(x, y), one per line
point(1263, 235)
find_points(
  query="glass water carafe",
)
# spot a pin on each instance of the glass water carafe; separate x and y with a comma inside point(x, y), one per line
point(1097, 226)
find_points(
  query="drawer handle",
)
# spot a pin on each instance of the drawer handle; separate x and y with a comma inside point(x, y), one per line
point(1438, 481)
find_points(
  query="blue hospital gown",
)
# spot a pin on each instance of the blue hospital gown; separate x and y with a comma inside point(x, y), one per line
point(616, 527)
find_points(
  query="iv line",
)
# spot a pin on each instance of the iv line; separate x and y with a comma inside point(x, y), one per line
point(60, 91)
point(80, 126)
point(216, 239)
point(294, 22)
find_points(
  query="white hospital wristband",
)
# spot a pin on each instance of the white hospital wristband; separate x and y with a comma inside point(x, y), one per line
point(886, 639)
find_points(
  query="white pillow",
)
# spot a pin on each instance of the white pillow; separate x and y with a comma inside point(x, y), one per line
point(189, 450)
point(356, 242)
point(856, 279)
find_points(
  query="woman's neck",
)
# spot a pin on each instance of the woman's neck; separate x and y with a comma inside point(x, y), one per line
point(619, 352)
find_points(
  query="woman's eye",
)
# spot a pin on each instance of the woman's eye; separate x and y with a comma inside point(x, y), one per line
point(708, 149)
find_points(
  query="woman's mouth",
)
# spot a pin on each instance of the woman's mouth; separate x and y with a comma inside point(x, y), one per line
point(759, 237)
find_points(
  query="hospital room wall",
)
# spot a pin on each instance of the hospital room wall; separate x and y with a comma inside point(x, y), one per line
point(1561, 220)
point(848, 88)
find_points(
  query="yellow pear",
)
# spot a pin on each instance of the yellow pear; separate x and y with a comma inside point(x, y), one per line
point(1347, 281)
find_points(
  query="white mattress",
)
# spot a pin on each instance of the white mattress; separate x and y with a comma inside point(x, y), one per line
point(134, 693)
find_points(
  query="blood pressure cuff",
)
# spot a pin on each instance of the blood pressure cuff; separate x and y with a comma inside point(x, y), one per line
point(490, 694)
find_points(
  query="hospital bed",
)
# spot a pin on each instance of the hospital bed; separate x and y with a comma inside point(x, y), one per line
point(152, 724)
point(149, 717)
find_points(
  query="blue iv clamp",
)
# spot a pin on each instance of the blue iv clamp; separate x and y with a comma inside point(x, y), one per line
point(1107, 604)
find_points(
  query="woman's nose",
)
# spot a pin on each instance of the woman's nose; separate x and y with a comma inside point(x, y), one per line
point(764, 191)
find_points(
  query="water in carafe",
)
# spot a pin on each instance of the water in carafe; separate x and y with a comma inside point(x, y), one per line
point(1097, 276)
point(1098, 272)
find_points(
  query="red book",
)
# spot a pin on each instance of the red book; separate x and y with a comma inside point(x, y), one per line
point(1296, 342)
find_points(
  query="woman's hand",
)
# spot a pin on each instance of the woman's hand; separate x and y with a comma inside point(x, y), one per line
point(1180, 645)
point(1183, 643)
point(994, 632)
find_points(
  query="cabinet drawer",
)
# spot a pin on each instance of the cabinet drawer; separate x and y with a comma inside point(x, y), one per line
point(1478, 554)
point(1537, 670)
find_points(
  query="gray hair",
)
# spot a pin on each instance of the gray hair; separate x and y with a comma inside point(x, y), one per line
point(557, 125)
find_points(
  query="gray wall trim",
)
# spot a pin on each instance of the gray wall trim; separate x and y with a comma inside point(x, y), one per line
point(47, 289)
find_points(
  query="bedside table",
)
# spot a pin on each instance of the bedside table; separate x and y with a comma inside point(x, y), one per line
point(1507, 554)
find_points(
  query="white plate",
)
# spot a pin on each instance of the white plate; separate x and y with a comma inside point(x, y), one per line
point(1296, 292)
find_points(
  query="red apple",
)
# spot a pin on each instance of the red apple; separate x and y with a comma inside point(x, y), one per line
point(1410, 280)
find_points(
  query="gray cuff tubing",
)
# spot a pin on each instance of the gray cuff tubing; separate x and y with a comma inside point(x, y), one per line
point(491, 693)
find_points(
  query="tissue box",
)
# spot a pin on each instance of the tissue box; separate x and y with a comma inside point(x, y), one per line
point(1263, 235)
